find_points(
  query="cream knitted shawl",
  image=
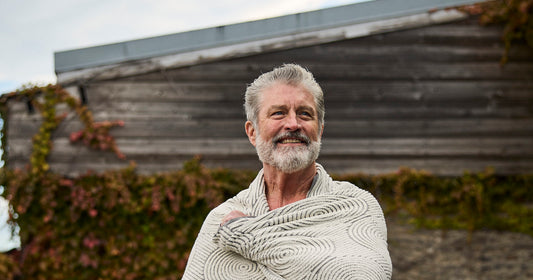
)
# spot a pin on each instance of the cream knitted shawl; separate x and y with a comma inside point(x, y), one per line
point(337, 232)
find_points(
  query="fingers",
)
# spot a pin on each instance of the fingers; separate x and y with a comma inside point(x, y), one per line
point(232, 215)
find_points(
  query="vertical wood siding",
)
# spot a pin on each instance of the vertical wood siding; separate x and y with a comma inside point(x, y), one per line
point(433, 98)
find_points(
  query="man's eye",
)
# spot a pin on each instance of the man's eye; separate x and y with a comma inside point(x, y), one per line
point(277, 113)
point(307, 114)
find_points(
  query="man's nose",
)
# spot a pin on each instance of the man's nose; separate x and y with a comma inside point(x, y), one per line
point(292, 123)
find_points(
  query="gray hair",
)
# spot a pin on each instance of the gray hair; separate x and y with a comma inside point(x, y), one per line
point(290, 74)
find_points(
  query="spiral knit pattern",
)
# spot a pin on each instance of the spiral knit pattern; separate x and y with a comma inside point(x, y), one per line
point(337, 232)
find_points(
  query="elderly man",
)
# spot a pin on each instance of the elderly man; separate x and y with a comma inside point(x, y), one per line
point(294, 221)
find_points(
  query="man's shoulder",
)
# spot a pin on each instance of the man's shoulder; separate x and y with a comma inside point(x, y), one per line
point(351, 189)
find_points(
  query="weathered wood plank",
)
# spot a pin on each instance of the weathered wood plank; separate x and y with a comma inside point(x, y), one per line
point(356, 70)
point(411, 70)
point(438, 91)
point(504, 148)
point(335, 90)
point(428, 128)
point(439, 166)
point(17, 107)
point(154, 165)
point(362, 111)
point(147, 128)
point(358, 111)
point(335, 111)
point(168, 91)
point(459, 32)
point(393, 53)
point(365, 111)
point(174, 110)
point(338, 165)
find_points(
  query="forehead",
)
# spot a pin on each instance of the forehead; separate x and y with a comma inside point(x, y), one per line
point(281, 94)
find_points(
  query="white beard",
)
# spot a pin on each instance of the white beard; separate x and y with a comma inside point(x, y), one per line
point(288, 159)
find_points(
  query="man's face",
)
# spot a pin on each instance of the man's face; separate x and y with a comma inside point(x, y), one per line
point(288, 134)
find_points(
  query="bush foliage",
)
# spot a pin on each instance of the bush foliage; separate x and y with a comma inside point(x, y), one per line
point(122, 225)
point(472, 201)
point(115, 225)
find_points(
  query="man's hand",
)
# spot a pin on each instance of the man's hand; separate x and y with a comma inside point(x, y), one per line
point(232, 215)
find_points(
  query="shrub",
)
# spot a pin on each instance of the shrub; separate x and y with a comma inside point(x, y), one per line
point(122, 225)
point(115, 225)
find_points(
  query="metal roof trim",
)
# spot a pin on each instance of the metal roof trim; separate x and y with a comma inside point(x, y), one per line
point(234, 34)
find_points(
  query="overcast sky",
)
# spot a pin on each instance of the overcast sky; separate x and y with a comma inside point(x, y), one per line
point(32, 30)
point(6, 243)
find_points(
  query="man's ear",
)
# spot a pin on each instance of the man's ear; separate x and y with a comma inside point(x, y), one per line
point(321, 130)
point(250, 131)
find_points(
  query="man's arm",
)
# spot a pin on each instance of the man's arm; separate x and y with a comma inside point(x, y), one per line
point(337, 236)
point(204, 246)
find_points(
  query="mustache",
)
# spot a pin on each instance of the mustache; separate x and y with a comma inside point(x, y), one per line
point(292, 134)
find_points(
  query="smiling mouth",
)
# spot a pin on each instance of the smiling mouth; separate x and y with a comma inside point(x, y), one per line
point(292, 138)
point(292, 141)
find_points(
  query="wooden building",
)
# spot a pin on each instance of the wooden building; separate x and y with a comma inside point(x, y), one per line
point(407, 83)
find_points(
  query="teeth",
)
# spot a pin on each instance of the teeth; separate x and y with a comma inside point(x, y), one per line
point(286, 141)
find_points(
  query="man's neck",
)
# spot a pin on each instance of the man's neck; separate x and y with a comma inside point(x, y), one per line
point(282, 188)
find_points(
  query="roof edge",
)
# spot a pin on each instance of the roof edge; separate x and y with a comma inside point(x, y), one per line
point(250, 47)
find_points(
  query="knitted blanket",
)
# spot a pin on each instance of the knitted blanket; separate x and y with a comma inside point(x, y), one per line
point(337, 232)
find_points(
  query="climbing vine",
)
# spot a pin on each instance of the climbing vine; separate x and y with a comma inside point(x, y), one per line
point(515, 15)
point(46, 100)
